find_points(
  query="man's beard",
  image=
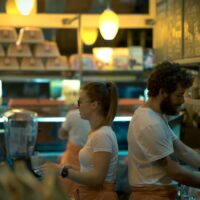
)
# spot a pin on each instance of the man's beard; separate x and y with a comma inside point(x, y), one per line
point(168, 108)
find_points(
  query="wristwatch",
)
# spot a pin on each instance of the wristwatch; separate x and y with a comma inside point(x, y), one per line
point(64, 172)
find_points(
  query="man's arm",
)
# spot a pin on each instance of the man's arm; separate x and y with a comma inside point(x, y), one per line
point(186, 154)
point(179, 173)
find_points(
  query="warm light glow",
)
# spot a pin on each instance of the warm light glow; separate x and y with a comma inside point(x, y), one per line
point(72, 84)
point(103, 54)
point(108, 24)
point(11, 7)
point(70, 91)
point(89, 35)
point(25, 7)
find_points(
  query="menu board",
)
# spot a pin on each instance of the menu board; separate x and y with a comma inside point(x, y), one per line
point(191, 28)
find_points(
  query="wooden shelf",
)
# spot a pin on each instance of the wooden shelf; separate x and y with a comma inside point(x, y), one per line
point(66, 21)
point(14, 75)
point(87, 75)
point(115, 75)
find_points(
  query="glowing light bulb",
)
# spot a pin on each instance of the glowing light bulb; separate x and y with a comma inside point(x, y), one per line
point(108, 24)
point(25, 6)
point(103, 54)
point(89, 35)
point(11, 7)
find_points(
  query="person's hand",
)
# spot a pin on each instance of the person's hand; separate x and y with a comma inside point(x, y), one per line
point(51, 169)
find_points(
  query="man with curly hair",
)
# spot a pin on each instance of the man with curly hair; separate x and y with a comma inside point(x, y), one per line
point(152, 145)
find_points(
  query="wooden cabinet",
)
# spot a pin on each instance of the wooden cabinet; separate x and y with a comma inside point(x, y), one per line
point(177, 33)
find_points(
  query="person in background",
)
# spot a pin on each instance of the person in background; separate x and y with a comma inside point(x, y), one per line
point(99, 157)
point(75, 130)
point(153, 148)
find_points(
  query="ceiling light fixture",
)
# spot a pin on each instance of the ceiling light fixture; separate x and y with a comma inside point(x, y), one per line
point(26, 7)
point(89, 35)
point(108, 24)
point(11, 7)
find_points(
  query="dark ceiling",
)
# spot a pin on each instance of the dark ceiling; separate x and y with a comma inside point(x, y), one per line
point(93, 6)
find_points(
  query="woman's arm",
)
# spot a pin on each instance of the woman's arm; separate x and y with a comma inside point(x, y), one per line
point(95, 177)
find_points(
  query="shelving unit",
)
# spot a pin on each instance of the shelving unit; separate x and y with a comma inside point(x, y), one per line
point(12, 75)
point(88, 75)
point(117, 75)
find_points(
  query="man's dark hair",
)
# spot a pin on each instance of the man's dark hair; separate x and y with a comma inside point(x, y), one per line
point(167, 76)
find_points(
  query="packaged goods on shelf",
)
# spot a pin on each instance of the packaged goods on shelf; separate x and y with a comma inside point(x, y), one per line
point(58, 63)
point(20, 51)
point(31, 35)
point(8, 35)
point(123, 58)
point(120, 59)
point(148, 58)
point(87, 62)
point(136, 58)
point(8, 63)
point(46, 49)
point(103, 58)
point(32, 64)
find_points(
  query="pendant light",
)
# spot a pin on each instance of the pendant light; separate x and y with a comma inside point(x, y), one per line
point(108, 24)
point(26, 7)
point(89, 35)
point(11, 7)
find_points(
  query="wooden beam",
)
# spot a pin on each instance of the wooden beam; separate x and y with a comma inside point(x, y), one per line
point(39, 20)
point(125, 21)
point(61, 21)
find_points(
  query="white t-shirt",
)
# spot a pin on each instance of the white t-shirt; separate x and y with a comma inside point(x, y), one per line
point(149, 139)
point(76, 127)
point(103, 139)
